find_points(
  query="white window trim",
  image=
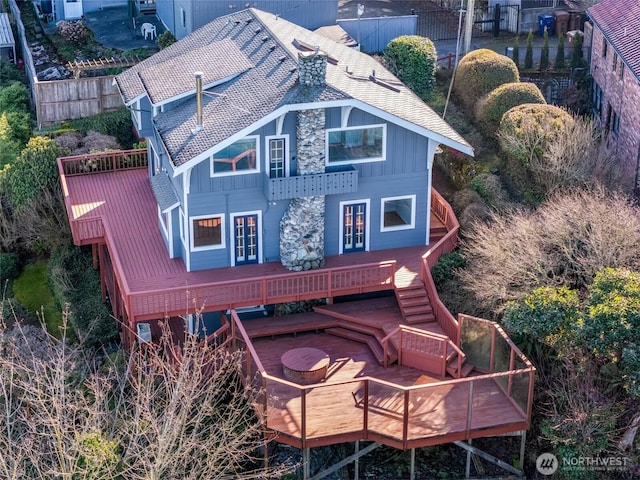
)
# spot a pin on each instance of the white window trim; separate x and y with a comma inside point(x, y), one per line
point(181, 218)
point(394, 228)
point(267, 154)
point(363, 160)
point(242, 172)
point(167, 229)
point(232, 217)
point(223, 243)
point(367, 223)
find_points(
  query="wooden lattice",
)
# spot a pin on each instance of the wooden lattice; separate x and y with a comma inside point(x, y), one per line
point(77, 67)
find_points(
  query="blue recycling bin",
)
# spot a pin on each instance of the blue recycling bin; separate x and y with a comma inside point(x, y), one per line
point(545, 21)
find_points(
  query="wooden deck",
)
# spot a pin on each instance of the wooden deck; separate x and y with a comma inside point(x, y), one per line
point(399, 406)
point(155, 285)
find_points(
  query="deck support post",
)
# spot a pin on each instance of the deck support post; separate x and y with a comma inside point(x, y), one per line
point(467, 468)
point(523, 441)
point(490, 458)
point(356, 462)
point(306, 460)
point(412, 467)
point(344, 462)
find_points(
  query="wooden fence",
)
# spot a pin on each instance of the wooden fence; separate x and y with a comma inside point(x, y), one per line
point(59, 100)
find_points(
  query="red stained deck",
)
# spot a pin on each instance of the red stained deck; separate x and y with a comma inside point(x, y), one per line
point(122, 217)
point(359, 399)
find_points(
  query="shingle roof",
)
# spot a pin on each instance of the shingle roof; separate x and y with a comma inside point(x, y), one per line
point(173, 77)
point(267, 42)
point(619, 21)
point(163, 191)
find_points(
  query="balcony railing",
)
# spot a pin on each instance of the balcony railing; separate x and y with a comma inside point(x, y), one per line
point(329, 183)
point(102, 162)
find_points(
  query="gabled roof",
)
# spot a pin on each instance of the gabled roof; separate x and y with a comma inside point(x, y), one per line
point(619, 22)
point(270, 86)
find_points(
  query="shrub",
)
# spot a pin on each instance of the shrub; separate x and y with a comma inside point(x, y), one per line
point(491, 108)
point(516, 51)
point(9, 267)
point(544, 54)
point(481, 71)
point(165, 39)
point(34, 170)
point(559, 62)
point(577, 56)
point(489, 188)
point(566, 241)
point(10, 74)
point(413, 59)
point(14, 97)
point(75, 283)
point(73, 31)
point(525, 129)
point(528, 56)
point(444, 269)
point(116, 124)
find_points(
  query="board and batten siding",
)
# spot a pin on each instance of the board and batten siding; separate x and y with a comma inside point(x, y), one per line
point(61, 100)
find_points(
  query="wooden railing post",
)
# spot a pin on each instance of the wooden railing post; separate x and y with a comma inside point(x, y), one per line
point(303, 414)
point(469, 408)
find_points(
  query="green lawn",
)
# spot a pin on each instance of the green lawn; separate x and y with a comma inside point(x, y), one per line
point(32, 291)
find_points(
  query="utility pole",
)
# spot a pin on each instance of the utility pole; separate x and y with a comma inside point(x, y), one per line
point(468, 25)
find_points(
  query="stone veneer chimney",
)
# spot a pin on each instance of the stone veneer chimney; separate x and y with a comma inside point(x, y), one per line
point(302, 226)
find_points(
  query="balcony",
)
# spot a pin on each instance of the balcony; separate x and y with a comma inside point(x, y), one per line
point(329, 183)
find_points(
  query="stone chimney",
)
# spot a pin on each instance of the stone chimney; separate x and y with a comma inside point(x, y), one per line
point(312, 68)
point(302, 225)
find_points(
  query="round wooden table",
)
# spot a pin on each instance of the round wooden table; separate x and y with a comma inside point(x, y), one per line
point(305, 365)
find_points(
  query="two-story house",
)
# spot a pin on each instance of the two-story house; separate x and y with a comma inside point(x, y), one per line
point(615, 67)
point(283, 167)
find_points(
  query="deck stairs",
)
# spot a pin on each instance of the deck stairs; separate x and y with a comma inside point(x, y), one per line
point(356, 327)
point(414, 304)
point(416, 310)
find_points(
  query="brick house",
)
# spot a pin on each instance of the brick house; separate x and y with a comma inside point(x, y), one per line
point(615, 67)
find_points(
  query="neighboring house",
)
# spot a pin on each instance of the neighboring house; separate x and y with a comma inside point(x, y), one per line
point(615, 67)
point(185, 16)
point(284, 167)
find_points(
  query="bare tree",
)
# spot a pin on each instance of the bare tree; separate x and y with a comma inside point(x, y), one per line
point(160, 413)
point(566, 241)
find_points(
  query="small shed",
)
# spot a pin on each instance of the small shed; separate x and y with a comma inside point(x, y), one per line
point(7, 43)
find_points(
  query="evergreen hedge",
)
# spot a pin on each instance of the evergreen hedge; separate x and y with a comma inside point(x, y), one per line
point(413, 60)
point(479, 72)
point(491, 108)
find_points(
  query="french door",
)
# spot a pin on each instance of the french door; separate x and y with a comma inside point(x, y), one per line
point(245, 232)
point(354, 227)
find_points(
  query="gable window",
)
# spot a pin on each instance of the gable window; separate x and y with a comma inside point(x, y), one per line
point(615, 62)
point(398, 213)
point(239, 157)
point(183, 17)
point(356, 144)
point(207, 232)
point(604, 48)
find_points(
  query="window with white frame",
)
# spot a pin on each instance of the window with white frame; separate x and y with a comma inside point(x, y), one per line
point(398, 213)
point(207, 232)
point(356, 144)
point(238, 158)
point(182, 224)
point(277, 156)
point(164, 221)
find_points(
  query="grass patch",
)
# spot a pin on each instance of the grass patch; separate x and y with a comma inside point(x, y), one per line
point(32, 290)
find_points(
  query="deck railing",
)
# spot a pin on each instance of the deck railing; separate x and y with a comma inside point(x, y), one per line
point(287, 287)
point(441, 209)
point(388, 413)
point(103, 162)
point(491, 350)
